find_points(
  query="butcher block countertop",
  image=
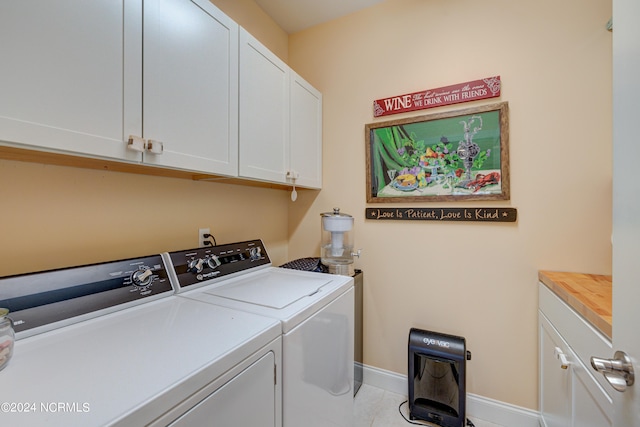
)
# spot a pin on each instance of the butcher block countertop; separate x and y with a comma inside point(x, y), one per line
point(587, 294)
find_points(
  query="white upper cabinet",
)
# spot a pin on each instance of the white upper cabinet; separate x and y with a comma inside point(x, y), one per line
point(63, 84)
point(169, 83)
point(190, 81)
point(306, 133)
point(83, 76)
point(264, 112)
point(280, 120)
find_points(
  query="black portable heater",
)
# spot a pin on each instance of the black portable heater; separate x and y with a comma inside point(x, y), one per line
point(437, 377)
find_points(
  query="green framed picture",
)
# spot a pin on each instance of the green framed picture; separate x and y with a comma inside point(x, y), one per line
point(452, 156)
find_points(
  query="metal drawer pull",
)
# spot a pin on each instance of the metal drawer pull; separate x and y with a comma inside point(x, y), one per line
point(564, 363)
point(618, 371)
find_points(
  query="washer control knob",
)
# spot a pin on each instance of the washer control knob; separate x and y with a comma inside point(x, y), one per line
point(213, 261)
point(255, 253)
point(195, 265)
point(142, 277)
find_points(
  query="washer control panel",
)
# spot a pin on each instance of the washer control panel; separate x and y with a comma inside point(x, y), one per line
point(196, 266)
point(68, 295)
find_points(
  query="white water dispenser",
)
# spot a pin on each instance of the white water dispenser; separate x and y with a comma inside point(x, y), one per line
point(336, 247)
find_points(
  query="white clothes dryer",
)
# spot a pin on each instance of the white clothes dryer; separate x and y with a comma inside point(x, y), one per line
point(316, 312)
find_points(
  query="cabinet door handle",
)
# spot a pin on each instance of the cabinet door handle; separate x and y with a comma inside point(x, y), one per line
point(564, 362)
point(156, 147)
point(136, 143)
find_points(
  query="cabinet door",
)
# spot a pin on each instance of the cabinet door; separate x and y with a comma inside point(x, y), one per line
point(306, 133)
point(65, 83)
point(555, 382)
point(191, 85)
point(247, 400)
point(592, 406)
point(264, 112)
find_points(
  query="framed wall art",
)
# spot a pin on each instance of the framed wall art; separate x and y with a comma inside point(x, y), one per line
point(452, 156)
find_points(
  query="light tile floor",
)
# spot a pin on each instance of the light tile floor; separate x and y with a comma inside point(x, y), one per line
point(374, 407)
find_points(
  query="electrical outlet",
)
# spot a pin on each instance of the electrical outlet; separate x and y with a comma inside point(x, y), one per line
point(201, 238)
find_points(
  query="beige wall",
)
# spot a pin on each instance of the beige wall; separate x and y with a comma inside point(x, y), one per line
point(55, 216)
point(475, 280)
point(252, 18)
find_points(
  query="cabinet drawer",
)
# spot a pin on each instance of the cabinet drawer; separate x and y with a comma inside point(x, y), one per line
point(583, 338)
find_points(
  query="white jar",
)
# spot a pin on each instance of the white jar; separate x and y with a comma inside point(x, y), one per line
point(7, 337)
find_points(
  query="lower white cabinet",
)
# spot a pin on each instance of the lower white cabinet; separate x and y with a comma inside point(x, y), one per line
point(555, 378)
point(571, 394)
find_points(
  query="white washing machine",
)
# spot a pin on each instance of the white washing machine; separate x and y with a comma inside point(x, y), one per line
point(111, 345)
point(316, 312)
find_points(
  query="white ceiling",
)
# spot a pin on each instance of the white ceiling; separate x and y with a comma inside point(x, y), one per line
point(297, 15)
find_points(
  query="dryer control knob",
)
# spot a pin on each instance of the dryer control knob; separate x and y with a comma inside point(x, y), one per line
point(142, 277)
point(255, 254)
point(213, 261)
point(195, 265)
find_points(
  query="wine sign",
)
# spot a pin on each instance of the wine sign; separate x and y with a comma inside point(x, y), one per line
point(448, 95)
point(443, 214)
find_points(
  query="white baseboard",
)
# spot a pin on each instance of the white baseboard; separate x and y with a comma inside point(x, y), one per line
point(480, 407)
point(385, 380)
